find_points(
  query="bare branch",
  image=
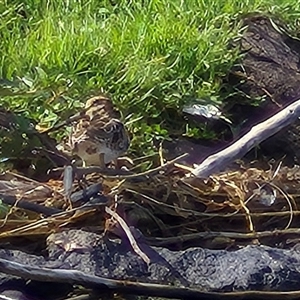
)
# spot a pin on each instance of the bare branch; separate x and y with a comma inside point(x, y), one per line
point(258, 133)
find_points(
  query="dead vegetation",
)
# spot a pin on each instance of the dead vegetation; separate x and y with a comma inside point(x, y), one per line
point(171, 208)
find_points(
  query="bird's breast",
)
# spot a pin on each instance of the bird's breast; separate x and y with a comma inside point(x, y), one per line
point(90, 152)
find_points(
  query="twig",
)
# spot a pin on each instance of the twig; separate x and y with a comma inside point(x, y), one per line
point(30, 180)
point(129, 235)
point(219, 234)
point(38, 208)
point(115, 174)
point(52, 220)
point(258, 133)
point(70, 120)
point(86, 194)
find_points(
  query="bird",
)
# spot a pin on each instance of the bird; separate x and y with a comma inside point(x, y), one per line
point(98, 136)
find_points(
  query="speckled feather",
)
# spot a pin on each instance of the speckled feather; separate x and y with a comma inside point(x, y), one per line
point(99, 131)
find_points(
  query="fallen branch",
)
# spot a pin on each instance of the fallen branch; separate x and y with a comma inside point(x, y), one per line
point(131, 287)
point(258, 133)
point(97, 282)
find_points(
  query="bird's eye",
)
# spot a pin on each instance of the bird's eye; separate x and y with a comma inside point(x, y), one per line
point(121, 145)
point(109, 128)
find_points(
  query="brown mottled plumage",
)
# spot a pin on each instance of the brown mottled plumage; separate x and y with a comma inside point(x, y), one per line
point(99, 137)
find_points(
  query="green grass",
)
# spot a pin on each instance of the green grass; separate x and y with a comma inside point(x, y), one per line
point(151, 56)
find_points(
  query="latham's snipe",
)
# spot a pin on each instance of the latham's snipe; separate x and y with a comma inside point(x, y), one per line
point(99, 137)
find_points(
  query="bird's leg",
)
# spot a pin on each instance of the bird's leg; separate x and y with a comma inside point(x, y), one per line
point(84, 164)
point(117, 164)
point(81, 177)
point(101, 161)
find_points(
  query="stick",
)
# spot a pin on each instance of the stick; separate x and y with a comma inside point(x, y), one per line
point(38, 208)
point(129, 235)
point(131, 287)
point(258, 133)
point(96, 282)
point(121, 174)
